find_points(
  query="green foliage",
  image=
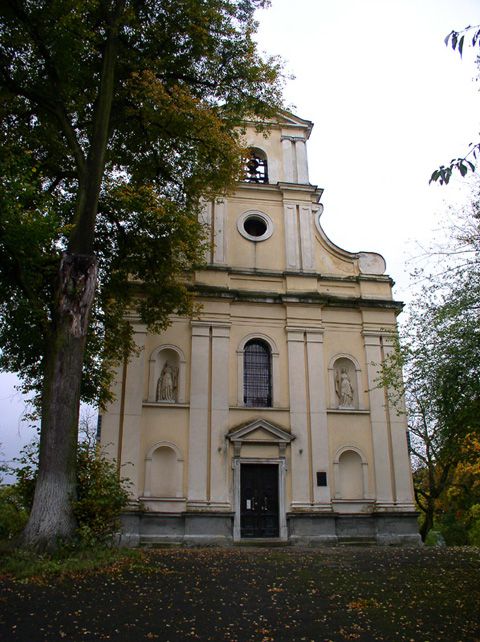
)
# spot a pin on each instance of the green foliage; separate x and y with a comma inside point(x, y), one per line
point(474, 530)
point(453, 530)
point(66, 562)
point(13, 513)
point(433, 375)
point(26, 473)
point(101, 496)
point(456, 39)
point(434, 538)
point(116, 121)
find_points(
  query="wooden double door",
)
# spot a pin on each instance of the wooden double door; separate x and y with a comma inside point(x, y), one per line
point(259, 506)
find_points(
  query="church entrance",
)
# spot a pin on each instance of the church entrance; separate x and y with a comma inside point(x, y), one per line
point(259, 506)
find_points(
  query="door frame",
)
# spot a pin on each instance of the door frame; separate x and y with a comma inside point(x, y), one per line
point(282, 514)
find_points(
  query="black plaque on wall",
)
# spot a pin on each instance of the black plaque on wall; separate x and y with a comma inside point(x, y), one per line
point(321, 478)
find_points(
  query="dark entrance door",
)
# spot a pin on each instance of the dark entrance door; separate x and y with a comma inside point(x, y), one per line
point(259, 500)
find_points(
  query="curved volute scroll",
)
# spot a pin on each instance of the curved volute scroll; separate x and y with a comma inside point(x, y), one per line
point(367, 263)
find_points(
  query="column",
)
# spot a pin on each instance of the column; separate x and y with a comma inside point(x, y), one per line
point(318, 414)
point(198, 425)
point(378, 419)
point(219, 494)
point(298, 419)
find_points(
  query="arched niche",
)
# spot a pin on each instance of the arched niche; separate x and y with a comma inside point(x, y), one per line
point(350, 471)
point(344, 375)
point(164, 471)
point(275, 374)
point(166, 365)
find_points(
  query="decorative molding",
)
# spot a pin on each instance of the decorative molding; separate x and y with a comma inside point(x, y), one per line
point(251, 214)
point(274, 434)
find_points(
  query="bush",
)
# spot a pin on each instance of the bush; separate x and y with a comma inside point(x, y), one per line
point(453, 530)
point(435, 538)
point(101, 496)
point(13, 513)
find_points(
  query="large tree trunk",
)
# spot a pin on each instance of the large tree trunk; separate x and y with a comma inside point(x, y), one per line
point(51, 519)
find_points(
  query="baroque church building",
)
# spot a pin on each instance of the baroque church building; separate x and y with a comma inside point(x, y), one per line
point(261, 417)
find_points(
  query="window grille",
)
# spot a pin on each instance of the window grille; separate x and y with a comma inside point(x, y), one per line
point(255, 168)
point(257, 374)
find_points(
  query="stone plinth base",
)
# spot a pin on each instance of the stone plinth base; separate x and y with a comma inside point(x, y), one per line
point(304, 528)
point(391, 528)
point(201, 529)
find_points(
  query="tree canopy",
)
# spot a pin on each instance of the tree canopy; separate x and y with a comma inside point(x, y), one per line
point(434, 373)
point(186, 75)
point(117, 119)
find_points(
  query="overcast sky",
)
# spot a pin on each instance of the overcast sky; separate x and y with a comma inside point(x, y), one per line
point(389, 102)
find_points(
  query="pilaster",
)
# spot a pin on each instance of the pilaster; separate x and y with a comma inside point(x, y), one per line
point(306, 238)
point(288, 166)
point(198, 423)
point(219, 492)
point(219, 239)
point(298, 418)
point(131, 410)
point(400, 456)
point(378, 417)
point(301, 157)
point(318, 413)
point(291, 236)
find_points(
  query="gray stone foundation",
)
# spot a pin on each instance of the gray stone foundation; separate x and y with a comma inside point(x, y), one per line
point(312, 529)
point(304, 529)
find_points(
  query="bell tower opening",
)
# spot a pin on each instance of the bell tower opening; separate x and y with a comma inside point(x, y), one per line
point(256, 166)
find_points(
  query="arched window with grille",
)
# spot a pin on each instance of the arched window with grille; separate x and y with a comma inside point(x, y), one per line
point(257, 374)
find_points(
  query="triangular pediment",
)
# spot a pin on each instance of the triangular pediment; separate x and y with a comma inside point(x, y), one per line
point(288, 120)
point(260, 431)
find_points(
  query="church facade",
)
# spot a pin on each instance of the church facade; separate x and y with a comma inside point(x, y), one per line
point(261, 418)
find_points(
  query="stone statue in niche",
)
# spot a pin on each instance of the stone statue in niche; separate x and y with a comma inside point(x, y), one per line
point(167, 383)
point(344, 389)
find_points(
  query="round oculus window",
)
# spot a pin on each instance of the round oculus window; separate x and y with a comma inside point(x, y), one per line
point(255, 226)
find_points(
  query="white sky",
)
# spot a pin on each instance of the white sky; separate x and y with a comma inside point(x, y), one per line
point(390, 103)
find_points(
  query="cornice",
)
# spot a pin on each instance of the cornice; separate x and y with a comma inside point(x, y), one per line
point(377, 278)
point(282, 187)
point(315, 298)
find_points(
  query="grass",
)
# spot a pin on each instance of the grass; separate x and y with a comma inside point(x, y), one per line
point(19, 564)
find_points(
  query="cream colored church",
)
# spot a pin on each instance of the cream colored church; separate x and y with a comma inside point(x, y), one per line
point(260, 419)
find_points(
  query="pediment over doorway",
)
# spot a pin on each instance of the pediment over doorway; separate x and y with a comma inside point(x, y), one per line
point(259, 431)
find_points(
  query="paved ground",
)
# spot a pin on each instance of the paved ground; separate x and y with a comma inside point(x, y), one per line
point(258, 595)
